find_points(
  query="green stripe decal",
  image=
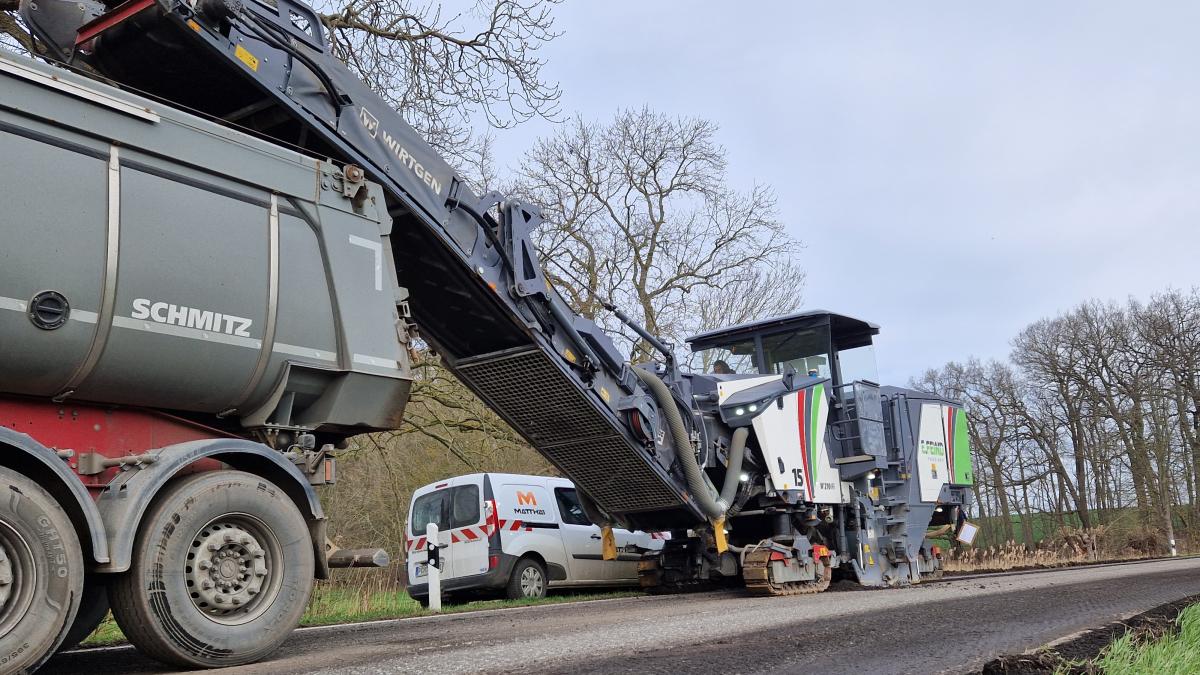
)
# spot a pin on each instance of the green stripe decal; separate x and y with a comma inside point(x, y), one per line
point(963, 473)
point(814, 441)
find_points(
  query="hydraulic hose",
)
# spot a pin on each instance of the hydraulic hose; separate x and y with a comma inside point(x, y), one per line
point(733, 468)
point(702, 489)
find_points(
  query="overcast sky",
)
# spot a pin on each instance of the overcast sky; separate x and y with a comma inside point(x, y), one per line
point(956, 170)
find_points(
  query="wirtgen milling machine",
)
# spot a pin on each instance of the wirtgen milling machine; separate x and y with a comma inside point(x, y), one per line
point(274, 237)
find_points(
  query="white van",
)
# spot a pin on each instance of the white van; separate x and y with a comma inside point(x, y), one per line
point(517, 535)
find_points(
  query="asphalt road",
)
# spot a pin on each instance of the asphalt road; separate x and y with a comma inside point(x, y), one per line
point(948, 627)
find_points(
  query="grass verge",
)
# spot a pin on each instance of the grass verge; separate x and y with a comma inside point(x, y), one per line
point(331, 605)
point(1176, 653)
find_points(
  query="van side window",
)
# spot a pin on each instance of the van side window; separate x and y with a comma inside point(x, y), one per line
point(431, 508)
point(569, 507)
point(465, 506)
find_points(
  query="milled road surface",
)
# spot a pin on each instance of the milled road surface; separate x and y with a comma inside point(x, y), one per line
point(948, 627)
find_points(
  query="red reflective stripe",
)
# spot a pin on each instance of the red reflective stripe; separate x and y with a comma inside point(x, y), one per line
point(516, 525)
point(500, 523)
point(470, 535)
point(420, 543)
point(453, 538)
point(485, 531)
point(105, 21)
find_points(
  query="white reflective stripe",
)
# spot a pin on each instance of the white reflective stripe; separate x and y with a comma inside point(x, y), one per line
point(306, 352)
point(13, 304)
point(84, 316)
point(81, 315)
point(376, 361)
point(85, 93)
point(377, 249)
point(184, 332)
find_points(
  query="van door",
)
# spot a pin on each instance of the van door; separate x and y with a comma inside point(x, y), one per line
point(429, 505)
point(529, 522)
point(581, 539)
point(469, 536)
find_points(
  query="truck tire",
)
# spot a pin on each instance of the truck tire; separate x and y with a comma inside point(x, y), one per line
point(528, 580)
point(93, 607)
point(41, 573)
point(222, 571)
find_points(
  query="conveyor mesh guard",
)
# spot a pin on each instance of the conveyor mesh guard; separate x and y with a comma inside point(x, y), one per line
point(546, 407)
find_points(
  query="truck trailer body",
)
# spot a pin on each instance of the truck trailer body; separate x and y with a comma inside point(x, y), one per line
point(219, 257)
point(177, 296)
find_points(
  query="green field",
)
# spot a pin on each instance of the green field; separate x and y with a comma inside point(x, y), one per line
point(1046, 526)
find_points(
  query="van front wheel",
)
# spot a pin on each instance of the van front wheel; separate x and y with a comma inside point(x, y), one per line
point(528, 580)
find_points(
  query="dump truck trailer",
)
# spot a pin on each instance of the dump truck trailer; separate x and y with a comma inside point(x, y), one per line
point(179, 304)
point(220, 245)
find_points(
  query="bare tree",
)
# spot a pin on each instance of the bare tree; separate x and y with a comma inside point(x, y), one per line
point(1101, 419)
point(445, 70)
point(13, 34)
point(639, 214)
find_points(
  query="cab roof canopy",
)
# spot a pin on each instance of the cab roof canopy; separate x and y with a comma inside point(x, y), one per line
point(847, 332)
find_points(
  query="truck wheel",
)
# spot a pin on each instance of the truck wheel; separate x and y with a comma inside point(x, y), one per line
point(528, 580)
point(93, 607)
point(41, 573)
point(222, 570)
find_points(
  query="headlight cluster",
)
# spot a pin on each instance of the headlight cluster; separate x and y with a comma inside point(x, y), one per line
point(741, 412)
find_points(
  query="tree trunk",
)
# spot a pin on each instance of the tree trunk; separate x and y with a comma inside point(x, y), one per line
point(1002, 498)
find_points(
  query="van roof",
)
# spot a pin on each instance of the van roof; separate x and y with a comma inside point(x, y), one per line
point(497, 477)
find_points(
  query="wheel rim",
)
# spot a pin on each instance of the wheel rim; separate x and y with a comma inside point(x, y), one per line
point(233, 569)
point(18, 578)
point(531, 582)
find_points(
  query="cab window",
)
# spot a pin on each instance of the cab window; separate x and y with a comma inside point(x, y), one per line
point(805, 351)
point(464, 506)
point(569, 507)
point(737, 358)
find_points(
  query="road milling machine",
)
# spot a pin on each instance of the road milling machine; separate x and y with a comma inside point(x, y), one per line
point(220, 245)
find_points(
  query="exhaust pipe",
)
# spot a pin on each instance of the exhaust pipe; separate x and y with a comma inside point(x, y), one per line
point(358, 557)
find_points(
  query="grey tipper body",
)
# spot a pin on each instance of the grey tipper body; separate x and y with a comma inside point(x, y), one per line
point(206, 270)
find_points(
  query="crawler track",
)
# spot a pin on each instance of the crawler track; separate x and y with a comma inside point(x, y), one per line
point(756, 571)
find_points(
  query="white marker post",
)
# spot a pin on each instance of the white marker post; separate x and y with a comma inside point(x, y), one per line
point(432, 556)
